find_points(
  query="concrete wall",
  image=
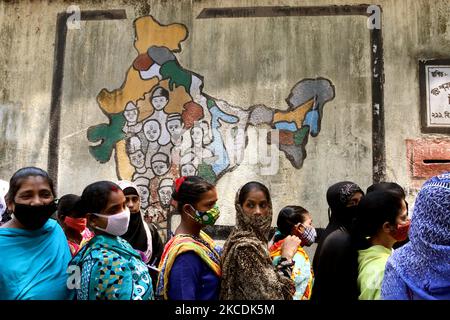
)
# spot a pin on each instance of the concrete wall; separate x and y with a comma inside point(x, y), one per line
point(243, 61)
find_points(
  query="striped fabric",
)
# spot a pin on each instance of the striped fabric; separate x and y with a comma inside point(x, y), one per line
point(203, 246)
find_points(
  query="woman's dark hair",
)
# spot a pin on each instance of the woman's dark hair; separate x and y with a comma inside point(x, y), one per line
point(130, 191)
point(95, 198)
point(376, 208)
point(250, 186)
point(21, 175)
point(66, 205)
point(190, 191)
point(387, 186)
point(390, 187)
point(288, 217)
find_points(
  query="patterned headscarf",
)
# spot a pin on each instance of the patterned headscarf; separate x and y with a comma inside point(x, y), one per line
point(249, 237)
point(259, 225)
point(423, 264)
point(338, 196)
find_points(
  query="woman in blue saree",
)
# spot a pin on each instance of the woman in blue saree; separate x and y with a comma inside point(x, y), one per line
point(33, 247)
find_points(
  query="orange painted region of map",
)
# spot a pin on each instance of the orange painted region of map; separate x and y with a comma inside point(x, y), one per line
point(124, 167)
point(132, 90)
point(150, 33)
point(296, 116)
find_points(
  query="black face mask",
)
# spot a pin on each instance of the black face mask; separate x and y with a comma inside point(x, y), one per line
point(34, 217)
point(349, 216)
point(346, 216)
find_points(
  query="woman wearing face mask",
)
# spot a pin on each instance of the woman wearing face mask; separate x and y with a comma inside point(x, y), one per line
point(190, 264)
point(420, 270)
point(296, 221)
point(335, 260)
point(395, 188)
point(109, 267)
point(382, 221)
point(33, 249)
point(248, 273)
point(74, 227)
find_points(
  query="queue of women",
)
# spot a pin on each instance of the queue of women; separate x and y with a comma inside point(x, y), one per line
point(97, 245)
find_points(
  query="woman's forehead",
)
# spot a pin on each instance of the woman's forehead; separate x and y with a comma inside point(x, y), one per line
point(33, 182)
point(256, 195)
point(209, 195)
point(116, 197)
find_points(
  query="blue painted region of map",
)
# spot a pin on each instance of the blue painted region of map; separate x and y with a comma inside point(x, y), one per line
point(218, 114)
point(288, 126)
point(312, 120)
point(217, 145)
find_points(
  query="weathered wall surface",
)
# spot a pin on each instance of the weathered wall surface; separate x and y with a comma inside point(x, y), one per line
point(243, 61)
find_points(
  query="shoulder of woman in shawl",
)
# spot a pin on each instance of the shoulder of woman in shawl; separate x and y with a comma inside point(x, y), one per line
point(250, 247)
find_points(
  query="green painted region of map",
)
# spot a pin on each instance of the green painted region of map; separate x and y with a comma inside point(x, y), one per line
point(206, 172)
point(110, 134)
point(300, 135)
point(210, 103)
point(176, 74)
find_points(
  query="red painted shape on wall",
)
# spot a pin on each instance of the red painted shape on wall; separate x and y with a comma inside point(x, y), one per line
point(142, 62)
point(428, 157)
point(286, 137)
point(192, 112)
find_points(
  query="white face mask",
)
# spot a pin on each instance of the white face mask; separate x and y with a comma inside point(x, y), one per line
point(117, 223)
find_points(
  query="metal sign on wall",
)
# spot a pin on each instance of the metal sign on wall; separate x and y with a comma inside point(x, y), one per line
point(435, 96)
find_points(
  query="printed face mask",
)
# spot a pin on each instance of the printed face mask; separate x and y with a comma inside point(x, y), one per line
point(34, 217)
point(206, 217)
point(117, 223)
point(308, 236)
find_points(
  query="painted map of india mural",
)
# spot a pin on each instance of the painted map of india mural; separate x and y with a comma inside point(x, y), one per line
point(162, 125)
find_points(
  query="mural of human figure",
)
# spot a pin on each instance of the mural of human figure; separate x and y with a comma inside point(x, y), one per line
point(160, 164)
point(217, 144)
point(188, 169)
point(159, 209)
point(131, 114)
point(152, 132)
point(188, 165)
point(165, 192)
point(159, 100)
point(175, 127)
point(164, 172)
point(198, 146)
point(136, 155)
point(143, 185)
